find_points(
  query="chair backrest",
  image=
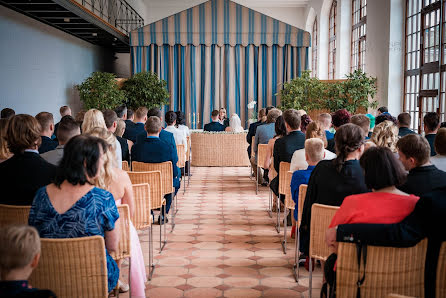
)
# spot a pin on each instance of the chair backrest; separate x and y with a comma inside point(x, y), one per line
point(141, 218)
point(261, 154)
point(181, 156)
point(72, 267)
point(125, 166)
point(166, 173)
point(123, 223)
point(289, 203)
point(153, 178)
point(11, 215)
point(284, 167)
point(388, 270)
point(300, 205)
point(188, 148)
point(441, 272)
point(321, 216)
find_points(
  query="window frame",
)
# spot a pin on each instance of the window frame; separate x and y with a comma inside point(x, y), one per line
point(332, 41)
point(358, 35)
point(314, 44)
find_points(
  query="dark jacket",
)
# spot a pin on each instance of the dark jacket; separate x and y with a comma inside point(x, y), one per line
point(404, 131)
point(251, 133)
point(431, 138)
point(164, 136)
point(21, 289)
point(133, 130)
point(214, 126)
point(47, 145)
point(422, 180)
point(427, 220)
point(22, 175)
point(124, 148)
point(154, 150)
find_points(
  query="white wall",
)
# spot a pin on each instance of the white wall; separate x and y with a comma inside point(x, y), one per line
point(39, 65)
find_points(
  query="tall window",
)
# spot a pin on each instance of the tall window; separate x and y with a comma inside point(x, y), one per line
point(332, 42)
point(359, 29)
point(314, 50)
point(425, 65)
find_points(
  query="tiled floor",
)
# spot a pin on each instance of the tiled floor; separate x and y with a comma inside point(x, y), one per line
point(225, 244)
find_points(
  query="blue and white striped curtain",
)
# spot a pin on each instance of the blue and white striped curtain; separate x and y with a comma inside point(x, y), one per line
point(220, 54)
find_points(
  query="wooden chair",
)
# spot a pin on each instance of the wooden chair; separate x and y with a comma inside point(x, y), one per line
point(157, 200)
point(284, 167)
point(321, 216)
point(124, 248)
point(167, 180)
point(300, 206)
point(288, 205)
point(125, 166)
point(182, 163)
point(188, 157)
point(13, 215)
point(388, 270)
point(72, 267)
point(261, 154)
point(441, 272)
point(142, 218)
point(273, 174)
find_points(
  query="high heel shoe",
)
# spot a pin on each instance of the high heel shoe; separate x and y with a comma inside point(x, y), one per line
point(293, 232)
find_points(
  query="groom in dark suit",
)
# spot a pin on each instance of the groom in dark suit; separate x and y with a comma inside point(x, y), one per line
point(214, 125)
point(154, 150)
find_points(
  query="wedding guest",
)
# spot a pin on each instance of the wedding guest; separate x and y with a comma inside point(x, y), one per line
point(64, 111)
point(385, 117)
point(382, 110)
point(431, 126)
point(362, 121)
point(19, 256)
point(304, 121)
point(4, 151)
point(339, 118)
point(253, 128)
point(181, 123)
point(325, 122)
point(72, 207)
point(121, 112)
point(280, 130)
point(439, 160)
point(404, 124)
point(137, 128)
point(111, 122)
point(7, 113)
point(214, 125)
point(25, 172)
point(120, 128)
point(130, 117)
point(372, 124)
point(178, 135)
point(46, 121)
point(80, 118)
point(385, 134)
point(235, 125)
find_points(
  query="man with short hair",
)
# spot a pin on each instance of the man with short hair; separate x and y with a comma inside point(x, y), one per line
point(214, 125)
point(285, 146)
point(132, 131)
point(362, 121)
point(68, 128)
point(263, 134)
point(431, 125)
point(403, 123)
point(111, 122)
point(121, 112)
point(325, 121)
point(178, 135)
point(46, 121)
point(64, 111)
point(382, 110)
point(439, 160)
point(7, 113)
point(153, 150)
point(423, 177)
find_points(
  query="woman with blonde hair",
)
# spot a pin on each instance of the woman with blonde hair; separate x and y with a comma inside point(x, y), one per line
point(385, 134)
point(314, 130)
point(94, 118)
point(4, 151)
point(118, 183)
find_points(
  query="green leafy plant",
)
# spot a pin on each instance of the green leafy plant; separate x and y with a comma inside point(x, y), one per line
point(356, 91)
point(145, 89)
point(101, 92)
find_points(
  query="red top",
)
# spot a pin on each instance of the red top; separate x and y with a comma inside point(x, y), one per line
point(374, 207)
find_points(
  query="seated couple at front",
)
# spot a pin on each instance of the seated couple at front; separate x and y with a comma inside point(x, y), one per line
point(215, 125)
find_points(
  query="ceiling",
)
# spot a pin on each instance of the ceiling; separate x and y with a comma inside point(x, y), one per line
point(248, 3)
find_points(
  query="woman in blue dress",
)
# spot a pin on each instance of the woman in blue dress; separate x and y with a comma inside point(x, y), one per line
point(72, 207)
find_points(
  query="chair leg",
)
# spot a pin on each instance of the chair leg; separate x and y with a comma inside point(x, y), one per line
point(174, 212)
point(310, 285)
point(189, 167)
point(257, 184)
point(296, 256)
point(278, 215)
point(151, 265)
point(250, 172)
point(284, 229)
point(184, 182)
point(270, 204)
point(163, 242)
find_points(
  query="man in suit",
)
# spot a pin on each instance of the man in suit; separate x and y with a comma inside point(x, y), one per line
point(153, 150)
point(46, 121)
point(121, 112)
point(253, 128)
point(64, 111)
point(403, 123)
point(423, 177)
point(111, 122)
point(214, 125)
point(285, 146)
point(431, 126)
point(132, 131)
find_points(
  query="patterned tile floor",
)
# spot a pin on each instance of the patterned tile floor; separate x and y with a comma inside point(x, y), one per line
point(224, 244)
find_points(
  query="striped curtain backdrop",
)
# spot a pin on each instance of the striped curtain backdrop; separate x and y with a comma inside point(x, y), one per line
point(220, 54)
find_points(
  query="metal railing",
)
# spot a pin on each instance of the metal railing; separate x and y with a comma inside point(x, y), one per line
point(117, 13)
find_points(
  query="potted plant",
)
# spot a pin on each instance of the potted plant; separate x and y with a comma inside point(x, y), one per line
point(100, 91)
point(145, 89)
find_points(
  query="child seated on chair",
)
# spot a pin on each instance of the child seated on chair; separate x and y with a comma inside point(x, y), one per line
point(19, 255)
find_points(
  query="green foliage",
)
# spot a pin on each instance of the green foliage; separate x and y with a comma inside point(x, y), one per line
point(100, 91)
point(311, 94)
point(145, 89)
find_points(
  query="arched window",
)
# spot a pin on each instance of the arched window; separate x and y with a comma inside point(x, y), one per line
point(425, 63)
point(314, 50)
point(332, 42)
point(359, 29)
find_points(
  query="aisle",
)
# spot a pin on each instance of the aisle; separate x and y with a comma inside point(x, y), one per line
point(225, 244)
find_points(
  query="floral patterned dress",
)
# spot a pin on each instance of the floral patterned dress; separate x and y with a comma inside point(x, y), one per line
point(93, 214)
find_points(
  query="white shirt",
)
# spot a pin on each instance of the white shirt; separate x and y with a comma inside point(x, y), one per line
point(439, 161)
point(118, 153)
point(178, 135)
point(298, 161)
point(184, 128)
